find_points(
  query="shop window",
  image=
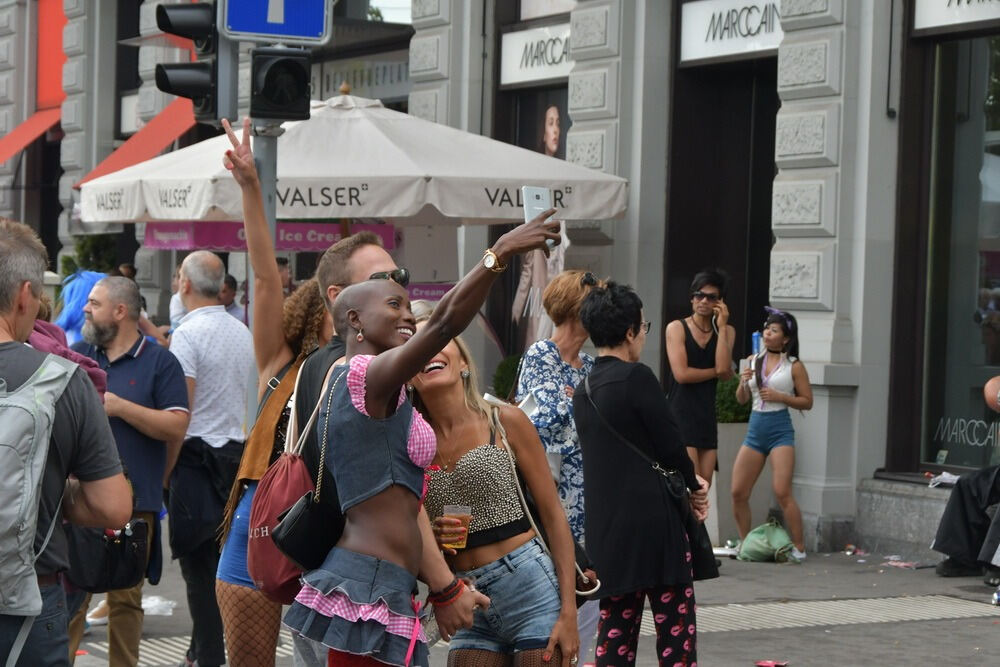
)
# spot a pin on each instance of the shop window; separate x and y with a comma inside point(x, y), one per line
point(962, 324)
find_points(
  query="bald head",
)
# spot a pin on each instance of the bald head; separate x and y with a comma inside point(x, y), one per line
point(205, 272)
point(358, 296)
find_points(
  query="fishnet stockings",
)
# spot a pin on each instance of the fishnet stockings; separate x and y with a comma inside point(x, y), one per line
point(478, 658)
point(533, 658)
point(251, 622)
point(467, 657)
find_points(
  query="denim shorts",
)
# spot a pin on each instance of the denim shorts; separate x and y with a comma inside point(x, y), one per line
point(524, 603)
point(768, 430)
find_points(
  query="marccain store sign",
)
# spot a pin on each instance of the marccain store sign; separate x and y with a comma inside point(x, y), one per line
point(941, 15)
point(729, 30)
point(537, 54)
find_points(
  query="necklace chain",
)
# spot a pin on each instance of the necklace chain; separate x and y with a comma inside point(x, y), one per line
point(698, 327)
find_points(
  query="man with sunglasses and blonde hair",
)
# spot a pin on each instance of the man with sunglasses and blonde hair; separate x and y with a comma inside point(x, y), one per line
point(700, 352)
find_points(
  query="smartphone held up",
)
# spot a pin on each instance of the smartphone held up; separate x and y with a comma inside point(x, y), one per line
point(536, 201)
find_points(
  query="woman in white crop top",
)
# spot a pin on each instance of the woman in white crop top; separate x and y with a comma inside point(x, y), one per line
point(775, 380)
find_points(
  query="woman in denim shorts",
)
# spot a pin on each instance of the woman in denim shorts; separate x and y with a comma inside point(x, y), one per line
point(532, 612)
point(776, 380)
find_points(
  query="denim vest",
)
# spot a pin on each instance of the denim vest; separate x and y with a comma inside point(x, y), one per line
point(365, 455)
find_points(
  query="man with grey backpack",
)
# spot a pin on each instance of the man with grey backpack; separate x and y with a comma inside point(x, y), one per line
point(58, 459)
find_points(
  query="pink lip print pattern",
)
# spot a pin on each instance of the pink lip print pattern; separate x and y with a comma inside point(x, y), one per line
point(673, 613)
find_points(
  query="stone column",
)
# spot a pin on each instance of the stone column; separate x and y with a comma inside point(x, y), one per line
point(832, 213)
point(619, 105)
point(89, 41)
point(17, 92)
point(451, 67)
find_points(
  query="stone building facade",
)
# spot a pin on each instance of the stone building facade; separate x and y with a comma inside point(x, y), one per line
point(832, 204)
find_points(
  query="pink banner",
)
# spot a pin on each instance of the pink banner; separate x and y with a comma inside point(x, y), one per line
point(428, 291)
point(230, 237)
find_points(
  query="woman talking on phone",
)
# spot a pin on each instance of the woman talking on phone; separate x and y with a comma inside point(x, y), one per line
point(700, 352)
point(776, 380)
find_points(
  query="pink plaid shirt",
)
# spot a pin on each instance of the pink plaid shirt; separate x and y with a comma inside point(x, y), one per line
point(422, 444)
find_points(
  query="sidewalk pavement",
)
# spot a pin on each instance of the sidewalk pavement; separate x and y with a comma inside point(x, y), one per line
point(832, 610)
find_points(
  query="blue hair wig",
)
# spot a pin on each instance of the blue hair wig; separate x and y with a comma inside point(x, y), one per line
point(75, 290)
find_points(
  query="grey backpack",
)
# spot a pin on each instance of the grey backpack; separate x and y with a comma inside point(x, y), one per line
point(26, 417)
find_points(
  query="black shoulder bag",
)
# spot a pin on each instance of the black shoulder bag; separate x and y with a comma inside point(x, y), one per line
point(101, 562)
point(702, 556)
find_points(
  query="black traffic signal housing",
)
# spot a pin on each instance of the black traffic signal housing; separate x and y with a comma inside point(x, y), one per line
point(211, 81)
point(280, 83)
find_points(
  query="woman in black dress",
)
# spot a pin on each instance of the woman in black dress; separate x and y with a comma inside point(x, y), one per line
point(700, 351)
point(640, 549)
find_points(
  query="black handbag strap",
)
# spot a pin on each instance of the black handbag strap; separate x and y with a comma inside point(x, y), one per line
point(653, 463)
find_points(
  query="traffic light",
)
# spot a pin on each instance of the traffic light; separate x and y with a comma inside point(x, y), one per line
point(211, 81)
point(279, 80)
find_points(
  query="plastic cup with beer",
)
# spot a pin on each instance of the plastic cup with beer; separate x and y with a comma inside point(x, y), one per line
point(464, 514)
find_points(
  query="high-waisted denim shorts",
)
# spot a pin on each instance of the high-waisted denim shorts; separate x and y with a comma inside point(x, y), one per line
point(768, 430)
point(524, 603)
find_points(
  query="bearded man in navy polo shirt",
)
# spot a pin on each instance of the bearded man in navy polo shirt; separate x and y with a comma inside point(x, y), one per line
point(147, 406)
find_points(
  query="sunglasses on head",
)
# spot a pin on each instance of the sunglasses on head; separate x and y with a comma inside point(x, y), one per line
point(399, 276)
point(588, 279)
point(699, 296)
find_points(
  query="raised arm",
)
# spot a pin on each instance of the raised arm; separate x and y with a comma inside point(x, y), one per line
point(270, 348)
point(391, 369)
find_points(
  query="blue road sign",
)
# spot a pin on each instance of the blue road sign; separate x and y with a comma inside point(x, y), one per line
point(287, 21)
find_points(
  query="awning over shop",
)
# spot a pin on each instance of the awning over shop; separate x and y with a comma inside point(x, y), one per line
point(230, 237)
point(176, 119)
point(26, 132)
point(395, 167)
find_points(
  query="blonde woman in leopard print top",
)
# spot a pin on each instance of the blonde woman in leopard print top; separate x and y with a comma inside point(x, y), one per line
point(532, 612)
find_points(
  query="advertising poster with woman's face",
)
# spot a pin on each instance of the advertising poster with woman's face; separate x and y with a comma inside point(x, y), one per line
point(542, 121)
point(541, 125)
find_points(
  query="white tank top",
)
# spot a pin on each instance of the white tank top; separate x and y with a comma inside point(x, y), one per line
point(779, 379)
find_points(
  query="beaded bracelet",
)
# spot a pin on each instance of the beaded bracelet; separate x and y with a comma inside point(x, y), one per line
point(448, 595)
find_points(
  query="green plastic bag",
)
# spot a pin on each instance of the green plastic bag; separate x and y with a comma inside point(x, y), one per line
point(766, 543)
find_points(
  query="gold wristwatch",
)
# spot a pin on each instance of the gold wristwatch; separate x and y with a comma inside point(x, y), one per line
point(492, 262)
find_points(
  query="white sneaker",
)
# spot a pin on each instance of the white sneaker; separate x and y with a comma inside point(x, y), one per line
point(798, 555)
point(99, 614)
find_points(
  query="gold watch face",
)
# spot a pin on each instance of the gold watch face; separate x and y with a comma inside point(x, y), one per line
point(489, 260)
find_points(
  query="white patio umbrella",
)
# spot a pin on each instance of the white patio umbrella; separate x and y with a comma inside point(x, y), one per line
point(356, 159)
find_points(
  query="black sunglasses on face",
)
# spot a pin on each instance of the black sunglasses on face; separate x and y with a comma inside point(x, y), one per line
point(699, 296)
point(399, 276)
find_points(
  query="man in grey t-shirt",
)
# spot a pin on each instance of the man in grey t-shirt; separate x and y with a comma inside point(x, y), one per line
point(80, 445)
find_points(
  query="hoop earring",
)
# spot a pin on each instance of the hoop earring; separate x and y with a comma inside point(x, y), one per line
point(361, 335)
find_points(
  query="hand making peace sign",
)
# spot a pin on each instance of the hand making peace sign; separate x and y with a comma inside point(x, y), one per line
point(239, 160)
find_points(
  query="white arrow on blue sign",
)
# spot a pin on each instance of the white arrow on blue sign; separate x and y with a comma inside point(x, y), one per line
point(305, 22)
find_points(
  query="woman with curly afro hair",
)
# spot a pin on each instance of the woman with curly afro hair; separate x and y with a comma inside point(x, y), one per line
point(250, 619)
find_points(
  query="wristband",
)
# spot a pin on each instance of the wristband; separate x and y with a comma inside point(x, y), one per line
point(448, 595)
